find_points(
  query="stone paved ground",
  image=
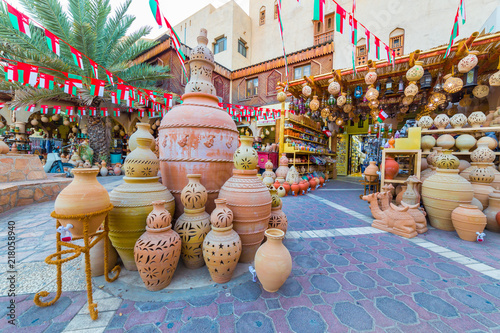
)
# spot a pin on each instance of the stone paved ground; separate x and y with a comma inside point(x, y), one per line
point(346, 277)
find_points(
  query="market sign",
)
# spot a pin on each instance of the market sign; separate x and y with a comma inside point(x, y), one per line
point(268, 122)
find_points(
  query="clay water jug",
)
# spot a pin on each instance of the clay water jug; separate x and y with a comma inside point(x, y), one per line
point(295, 188)
point(313, 184)
point(287, 187)
point(304, 186)
point(222, 245)
point(492, 210)
point(391, 167)
point(142, 132)
point(273, 262)
point(197, 136)
point(157, 251)
point(83, 195)
point(467, 220)
point(371, 172)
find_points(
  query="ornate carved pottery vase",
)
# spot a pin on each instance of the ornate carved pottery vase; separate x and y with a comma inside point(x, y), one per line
point(442, 193)
point(222, 245)
point(269, 170)
point(391, 167)
point(458, 120)
point(245, 157)
point(492, 210)
point(278, 219)
point(467, 220)
point(292, 175)
point(476, 119)
point(283, 169)
point(83, 195)
point(157, 251)
point(447, 160)
point(142, 162)
point(273, 263)
point(482, 153)
point(250, 201)
point(441, 121)
point(194, 224)
point(481, 178)
point(142, 132)
point(197, 137)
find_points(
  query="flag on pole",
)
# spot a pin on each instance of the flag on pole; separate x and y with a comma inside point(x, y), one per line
point(114, 98)
point(52, 42)
point(109, 75)
point(393, 58)
point(116, 112)
point(81, 111)
point(319, 10)
point(95, 68)
point(340, 17)
point(389, 58)
point(70, 110)
point(19, 21)
point(454, 34)
point(57, 109)
point(46, 81)
point(97, 87)
point(382, 116)
point(77, 57)
point(278, 8)
point(93, 111)
point(104, 112)
point(155, 9)
point(175, 39)
point(377, 47)
point(462, 11)
point(30, 108)
point(44, 109)
point(70, 88)
point(367, 33)
point(353, 7)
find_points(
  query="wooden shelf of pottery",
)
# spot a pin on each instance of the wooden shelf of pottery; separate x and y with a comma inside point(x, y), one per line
point(414, 156)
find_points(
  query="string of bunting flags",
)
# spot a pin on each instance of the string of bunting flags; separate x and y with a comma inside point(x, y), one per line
point(243, 112)
point(91, 111)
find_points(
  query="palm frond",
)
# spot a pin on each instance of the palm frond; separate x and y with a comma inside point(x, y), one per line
point(51, 15)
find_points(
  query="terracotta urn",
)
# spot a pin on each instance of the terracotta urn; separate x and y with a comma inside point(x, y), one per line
point(492, 143)
point(83, 195)
point(445, 141)
point(157, 251)
point(441, 121)
point(458, 120)
point(142, 132)
point(313, 184)
point(465, 142)
point(321, 181)
point(197, 136)
point(304, 186)
point(250, 201)
point(476, 119)
point(492, 211)
point(142, 162)
point(273, 263)
point(391, 167)
point(222, 245)
point(4, 148)
point(295, 189)
point(104, 169)
point(467, 220)
point(287, 187)
point(276, 184)
point(371, 170)
point(194, 224)
point(442, 193)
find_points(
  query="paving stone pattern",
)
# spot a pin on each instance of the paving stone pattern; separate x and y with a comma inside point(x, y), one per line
point(372, 282)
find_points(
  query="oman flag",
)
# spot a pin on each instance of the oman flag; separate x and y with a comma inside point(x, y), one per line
point(22, 73)
point(76, 79)
point(57, 109)
point(319, 10)
point(97, 87)
point(77, 57)
point(340, 17)
point(104, 112)
point(114, 99)
point(81, 110)
point(52, 42)
point(110, 77)
point(44, 109)
point(382, 116)
point(116, 112)
point(70, 110)
point(155, 9)
point(70, 88)
point(95, 68)
point(46, 81)
point(30, 108)
point(123, 91)
point(19, 21)
point(93, 111)
point(377, 47)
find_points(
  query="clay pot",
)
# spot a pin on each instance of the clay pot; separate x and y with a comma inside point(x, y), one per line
point(104, 171)
point(425, 122)
point(433, 155)
point(442, 193)
point(245, 157)
point(273, 263)
point(492, 211)
point(447, 160)
point(441, 121)
point(287, 187)
point(423, 164)
point(465, 142)
point(313, 184)
point(391, 167)
point(250, 202)
point(371, 172)
point(463, 165)
point(411, 195)
point(157, 251)
point(490, 116)
point(97, 257)
point(194, 224)
point(4, 148)
point(468, 62)
point(142, 162)
point(142, 132)
point(458, 120)
point(117, 170)
point(198, 136)
point(492, 143)
point(13, 148)
point(281, 191)
point(83, 195)
point(482, 153)
point(283, 169)
point(304, 186)
point(321, 181)
point(445, 141)
point(132, 202)
point(476, 119)
point(269, 171)
point(276, 184)
point(427, 142)
point(467, 220)
point(278, 219)
point(222, 245)
point(295, 189)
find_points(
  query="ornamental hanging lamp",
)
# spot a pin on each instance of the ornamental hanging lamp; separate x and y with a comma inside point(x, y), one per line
point(426, 80)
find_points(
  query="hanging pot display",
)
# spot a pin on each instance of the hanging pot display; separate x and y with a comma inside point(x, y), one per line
point(333, 87)
point(411, 89)
point(372, 94)
point(341, 100)
point(314, 104)
point(481, 91)
point(306, 90)
point(452, 84)
point(468, 62)
point(371, 76)
point(416, 72)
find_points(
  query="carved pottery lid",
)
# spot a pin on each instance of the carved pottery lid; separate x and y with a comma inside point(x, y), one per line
point(201, 66)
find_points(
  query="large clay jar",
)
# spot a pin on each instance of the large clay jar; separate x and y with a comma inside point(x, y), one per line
point(371, 172)
point(278, 218)
point(391, 167)
point(492, 210)
point(246, 157)
point(142, 132)
point(467, 220)
point(447, 160)
point(445, 141)
point(194, 224)
point(222, 245)
point(427, 143)
point(273, 263)
point(283, 169)
point(465, 142)
point(83, 195)
point(197, 136)
point(250, 201)
point(442, 193)
point(157, 251)
point(142, 162)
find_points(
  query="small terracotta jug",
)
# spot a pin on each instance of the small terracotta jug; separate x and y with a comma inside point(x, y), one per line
point(286, 185)
point(467, 220)
point(295, 189)
point(391, 167)
point(273, 262)
point(313, 184)
point(222, 245)
point(157, 251)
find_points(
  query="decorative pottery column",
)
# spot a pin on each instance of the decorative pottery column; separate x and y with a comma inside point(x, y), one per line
point(481, 175)
point(133, 199)
point(157, 251)
point(283, 169)
point(269, 170)
point(197, 136)
point(222, 245)
point(273, 262)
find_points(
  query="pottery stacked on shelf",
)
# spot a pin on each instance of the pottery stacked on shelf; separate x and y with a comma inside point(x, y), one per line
point(222, 245)
point(197, 136)
point(157, 250)
point(278, 218)
point(133, 199)
point(481, 175)
point(194, 224)
point(283, 169)
point(458, 120)
point(250, 201)
point(427, 143)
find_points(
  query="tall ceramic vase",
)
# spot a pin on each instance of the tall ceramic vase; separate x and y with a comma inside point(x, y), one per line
point(157, 251)
point(245, 157)
point(250, 201)
point(83, 195)
point(222, 245)
point(273, 263)
point(142, 132)
point(194, 224)
point(197, 136)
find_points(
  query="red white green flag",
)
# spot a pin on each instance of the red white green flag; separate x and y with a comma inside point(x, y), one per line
point(110, 78)
point(367, 34)
point(454, 34)
point(11, 73)
point(70, 110)
point(104, 112)
point(30, 108)
point(81, 110)
point(129, 102)
point(319, 10)
point(340, 17)
point(70, 88)
point(95, 68)
point(167, 98)
point(175, 39)
point(155, 9)
point(354, 29)
point(22, 73)
point(377, 47)
point(114, 98)
point(19, 21)
point(57, 109)
point(389, 58)
point(77, 57)
point(130, 110)
point(44, 109)
point(141, 113)
point(46, 81)
point(97, 87)
point(52, 42)
point(93, 111)
point(382, 116)
point(462, 11)
point(123, 91)
point(116, 112)
point(76, 79)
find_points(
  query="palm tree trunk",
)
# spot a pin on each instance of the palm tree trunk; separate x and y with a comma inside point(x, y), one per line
point(99, 138)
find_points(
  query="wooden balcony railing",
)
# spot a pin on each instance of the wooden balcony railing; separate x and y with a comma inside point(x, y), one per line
point(323, 38)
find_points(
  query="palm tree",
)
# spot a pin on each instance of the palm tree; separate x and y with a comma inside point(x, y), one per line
point(91, 27)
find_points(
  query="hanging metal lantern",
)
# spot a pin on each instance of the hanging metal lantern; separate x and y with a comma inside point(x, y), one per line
point(470, 78)
point(388, 86)
point(438, 98)
point(358, 92)
point(426, 80)
point(401, 87)
point(374, 104)
point(314, 104)
point(372, 94)
point(267, 132)
point(339, 121)
point(416, 72)
point(325, 113)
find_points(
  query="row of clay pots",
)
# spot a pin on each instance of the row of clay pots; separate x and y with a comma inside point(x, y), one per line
point(464, 142)
point(459, 120)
